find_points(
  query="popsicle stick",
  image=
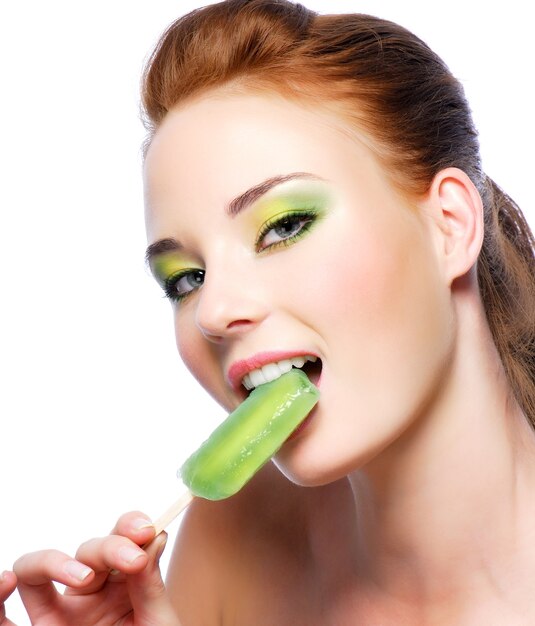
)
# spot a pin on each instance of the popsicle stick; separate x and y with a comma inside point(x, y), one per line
point(173, 512)
point(166, 518)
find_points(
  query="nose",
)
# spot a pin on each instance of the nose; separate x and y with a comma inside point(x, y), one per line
point(229, 304)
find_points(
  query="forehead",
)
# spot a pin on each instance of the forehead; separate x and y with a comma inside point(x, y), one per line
point(210, 150)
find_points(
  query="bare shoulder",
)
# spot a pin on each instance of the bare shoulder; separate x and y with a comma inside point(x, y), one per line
point(232, 548)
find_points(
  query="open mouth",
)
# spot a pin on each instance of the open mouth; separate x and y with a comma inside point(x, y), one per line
point(313, 370)
point(310, 364)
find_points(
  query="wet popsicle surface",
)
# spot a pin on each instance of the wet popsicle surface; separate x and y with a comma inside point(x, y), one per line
point(249, 436)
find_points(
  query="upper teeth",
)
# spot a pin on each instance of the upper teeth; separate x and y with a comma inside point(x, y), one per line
point(271, 371)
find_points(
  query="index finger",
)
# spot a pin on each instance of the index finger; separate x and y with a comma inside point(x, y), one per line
point(41, 568)
point(36, 573)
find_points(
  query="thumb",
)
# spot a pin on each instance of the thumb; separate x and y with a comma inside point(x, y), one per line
point(147, 591)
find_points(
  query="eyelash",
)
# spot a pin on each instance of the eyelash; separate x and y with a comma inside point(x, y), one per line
point(309, 216)
point(171, 282)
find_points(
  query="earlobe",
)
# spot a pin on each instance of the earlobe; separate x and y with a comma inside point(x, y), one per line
point(458, 208)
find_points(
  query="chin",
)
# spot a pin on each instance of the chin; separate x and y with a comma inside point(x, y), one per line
point(308, 464)
point(311, 474)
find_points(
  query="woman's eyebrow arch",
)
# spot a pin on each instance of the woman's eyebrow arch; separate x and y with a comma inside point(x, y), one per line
point(254, 193)
point(159, 247)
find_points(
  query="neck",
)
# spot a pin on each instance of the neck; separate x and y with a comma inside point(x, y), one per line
point(448, 508)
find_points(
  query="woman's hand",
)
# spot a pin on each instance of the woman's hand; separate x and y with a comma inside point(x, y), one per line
point(111, 582)
point(8, 582)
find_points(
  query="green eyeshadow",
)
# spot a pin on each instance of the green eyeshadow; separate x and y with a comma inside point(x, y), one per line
point(296, 196)
point(168, 264)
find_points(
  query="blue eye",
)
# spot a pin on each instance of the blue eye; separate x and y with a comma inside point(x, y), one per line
point(181, 284)
point(285, 229)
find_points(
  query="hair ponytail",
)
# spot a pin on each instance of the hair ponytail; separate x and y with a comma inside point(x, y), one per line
point(506, 275)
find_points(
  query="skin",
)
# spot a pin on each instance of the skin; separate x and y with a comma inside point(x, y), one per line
point(418, 463)
point(133, 596)
point(8, 582)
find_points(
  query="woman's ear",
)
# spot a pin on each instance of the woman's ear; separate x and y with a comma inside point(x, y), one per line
point(457, 209)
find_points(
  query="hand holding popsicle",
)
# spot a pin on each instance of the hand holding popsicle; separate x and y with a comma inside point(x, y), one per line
point(134, 590)
point(135, 596)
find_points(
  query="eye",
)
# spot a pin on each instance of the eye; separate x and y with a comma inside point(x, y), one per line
point(284, 230)
point(181, 284)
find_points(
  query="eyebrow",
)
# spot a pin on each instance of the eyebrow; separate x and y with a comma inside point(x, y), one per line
point(160, 247)
point(235, 206)
point(254, 193)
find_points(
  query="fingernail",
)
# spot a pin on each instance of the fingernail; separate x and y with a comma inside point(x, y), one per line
point(129, 555)
point(3, 576)
point(77, 570)
point(141, 523)
point(161, 547)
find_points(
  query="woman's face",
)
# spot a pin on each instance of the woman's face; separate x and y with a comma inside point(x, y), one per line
point(280, 235)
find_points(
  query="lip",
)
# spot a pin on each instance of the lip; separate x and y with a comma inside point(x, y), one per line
point(302, 426)
point(240, 368)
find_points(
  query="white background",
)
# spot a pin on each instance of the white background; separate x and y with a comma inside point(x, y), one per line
point(96, 410)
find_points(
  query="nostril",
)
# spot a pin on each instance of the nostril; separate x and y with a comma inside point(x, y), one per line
point(238, 323)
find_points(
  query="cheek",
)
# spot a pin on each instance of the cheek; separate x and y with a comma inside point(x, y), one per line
point(202, 360)
point(190, 348)
point(382, 302)
point(355, 282)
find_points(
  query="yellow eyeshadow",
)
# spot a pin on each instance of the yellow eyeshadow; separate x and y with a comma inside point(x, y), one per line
point(169, 264)
point(315, 197)
point(269, 209)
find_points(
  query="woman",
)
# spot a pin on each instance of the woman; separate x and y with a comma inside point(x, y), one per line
point(314, 188)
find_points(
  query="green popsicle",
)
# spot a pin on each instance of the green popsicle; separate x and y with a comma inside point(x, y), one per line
point(249, 436)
